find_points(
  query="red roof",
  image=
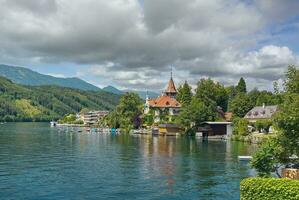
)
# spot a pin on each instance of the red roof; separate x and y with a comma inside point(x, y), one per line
point(170, 87)
point(164, 101)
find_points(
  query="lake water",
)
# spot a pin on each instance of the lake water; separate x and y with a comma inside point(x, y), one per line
point(39, 162)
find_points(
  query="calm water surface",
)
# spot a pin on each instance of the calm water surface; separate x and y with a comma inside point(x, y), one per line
point(39, 162)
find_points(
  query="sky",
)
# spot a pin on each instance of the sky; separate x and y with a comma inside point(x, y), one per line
point(133, 44)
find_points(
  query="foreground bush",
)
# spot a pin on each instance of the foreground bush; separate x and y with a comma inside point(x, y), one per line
point(269, 188)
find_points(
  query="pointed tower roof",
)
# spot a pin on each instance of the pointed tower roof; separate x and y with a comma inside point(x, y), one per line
point(170, 87)
point(170, 90)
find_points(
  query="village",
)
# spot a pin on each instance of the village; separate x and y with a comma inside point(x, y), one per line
point(164, 109)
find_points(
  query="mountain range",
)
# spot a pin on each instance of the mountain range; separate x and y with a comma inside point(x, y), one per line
point(25, 76)
point(142, 94)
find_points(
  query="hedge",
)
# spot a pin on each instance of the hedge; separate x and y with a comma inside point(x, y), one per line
point(269, 189)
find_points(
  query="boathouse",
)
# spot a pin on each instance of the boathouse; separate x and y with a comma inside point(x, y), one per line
point(169, 129)
point(216, 129)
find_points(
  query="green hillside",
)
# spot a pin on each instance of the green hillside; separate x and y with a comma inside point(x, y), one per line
point(26, 76)
point(44, 103)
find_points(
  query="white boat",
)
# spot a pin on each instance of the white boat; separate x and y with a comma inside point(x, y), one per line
point(244, 158)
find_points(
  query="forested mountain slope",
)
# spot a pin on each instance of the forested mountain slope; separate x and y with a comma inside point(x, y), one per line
point(44, 103)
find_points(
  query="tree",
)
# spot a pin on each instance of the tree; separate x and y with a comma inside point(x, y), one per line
point(240, 105)
point(231, 91)
point(208, 90)
point(241, 87)
point(129, 108)
point(276, 88)
point(184, 94)
point(193, 115)
point(111, 120)
point(279, 149)
point(291, 83)
point(264, 159)
point(267, 98)
point(286, 122)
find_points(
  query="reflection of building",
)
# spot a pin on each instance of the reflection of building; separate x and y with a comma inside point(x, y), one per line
point(261, 112)
point(93, 117)
point(164, 105)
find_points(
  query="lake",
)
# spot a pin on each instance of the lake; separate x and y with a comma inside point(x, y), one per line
point(39, 162)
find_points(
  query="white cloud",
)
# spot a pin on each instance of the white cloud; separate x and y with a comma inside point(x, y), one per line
point(133, 45)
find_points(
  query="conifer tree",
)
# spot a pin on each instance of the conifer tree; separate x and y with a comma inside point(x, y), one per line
point(184, 94)
point(241, 87)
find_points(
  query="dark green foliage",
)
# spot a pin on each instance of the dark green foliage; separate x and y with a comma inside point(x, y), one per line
point(126, 113)
point(240, 105)
point(44, 103)
point(269, 189)
point(196, 113)
point(111, 120)
point(267, 98)
point(203, 105)
point(257, 98)
point(241, 87)
point(184, 94)
point(213, 91)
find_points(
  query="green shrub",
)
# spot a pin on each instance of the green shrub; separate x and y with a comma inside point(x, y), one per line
point(269, 189)
point(263, 125)
point(240, 127)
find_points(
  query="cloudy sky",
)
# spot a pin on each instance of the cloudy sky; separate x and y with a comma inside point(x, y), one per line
point(133, 43)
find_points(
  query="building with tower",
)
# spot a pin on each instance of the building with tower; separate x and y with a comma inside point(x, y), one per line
point(164, 107)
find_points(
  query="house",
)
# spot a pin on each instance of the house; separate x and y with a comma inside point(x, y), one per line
point(93, 117)
point(164, 105)
point(216, 129)
point(261, 112)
